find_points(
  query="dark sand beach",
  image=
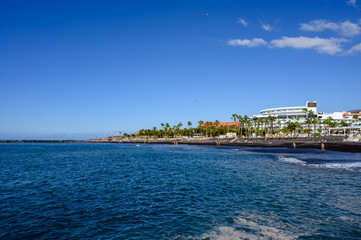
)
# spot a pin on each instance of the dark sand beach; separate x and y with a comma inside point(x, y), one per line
point(332, 144)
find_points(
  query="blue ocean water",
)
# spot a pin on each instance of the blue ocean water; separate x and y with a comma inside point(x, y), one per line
point(129, 191)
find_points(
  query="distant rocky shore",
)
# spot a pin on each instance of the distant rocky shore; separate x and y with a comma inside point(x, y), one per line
point(334, 144)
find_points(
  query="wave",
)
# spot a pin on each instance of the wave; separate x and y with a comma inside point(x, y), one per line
point(321, 163)
point(290, 160)
point(251, 227)
point(347, 166)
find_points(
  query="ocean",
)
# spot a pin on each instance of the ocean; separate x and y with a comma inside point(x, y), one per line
point(145, 191)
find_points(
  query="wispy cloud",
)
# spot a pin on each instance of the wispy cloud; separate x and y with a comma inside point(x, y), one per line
point(346, 28)
point(243, 22)
point(247, 43)
point(354, 49)
point(329, 46)
point(266, 27)
point(351, 3)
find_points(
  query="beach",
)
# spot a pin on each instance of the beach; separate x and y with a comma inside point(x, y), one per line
point(333, 144)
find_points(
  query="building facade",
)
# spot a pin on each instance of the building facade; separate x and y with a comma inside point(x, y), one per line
point(300, 114)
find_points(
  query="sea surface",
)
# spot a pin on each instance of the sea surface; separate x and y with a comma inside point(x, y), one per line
point(130, 191)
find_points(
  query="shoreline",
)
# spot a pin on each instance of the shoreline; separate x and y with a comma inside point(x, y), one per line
point(333, 146)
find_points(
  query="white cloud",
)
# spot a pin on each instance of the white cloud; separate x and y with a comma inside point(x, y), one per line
point(345, 28)
point(354, 49)
point(319, 25)
point(243, 22)
point(247, 43)
point(266, 27)
point(329, 46)
point(349, 29)
point(352, 3)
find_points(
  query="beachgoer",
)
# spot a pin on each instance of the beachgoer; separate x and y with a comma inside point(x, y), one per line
point(294, 147)
point(323, 147)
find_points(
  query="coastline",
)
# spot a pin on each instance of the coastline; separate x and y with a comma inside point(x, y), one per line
point(333, 146)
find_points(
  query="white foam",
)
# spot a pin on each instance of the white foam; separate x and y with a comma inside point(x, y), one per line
point(340, 165)
point(253, 230)
point(348, 166)
point(290, 160)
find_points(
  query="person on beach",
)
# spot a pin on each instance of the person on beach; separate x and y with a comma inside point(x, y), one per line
point(323, 147)
point(294, 147)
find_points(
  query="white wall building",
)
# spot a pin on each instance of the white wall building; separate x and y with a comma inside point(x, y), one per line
point(284, 115)
point(289, 112)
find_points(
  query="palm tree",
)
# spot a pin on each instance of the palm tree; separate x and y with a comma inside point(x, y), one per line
point(208, 126)
point(343, 123)
point(234, 117)
point(167, 127)
point(330, 123)
point(311, 113)
point(271, 119)
point(200, 122)
point(308, 122)
point(245, 119)
point(189, 124)
point(265, 126)
point(292, 126)
point(260, 122)
point(240, 123)
point(249, 124)
point(216, 123)
point(314, 121)
point(255, 120)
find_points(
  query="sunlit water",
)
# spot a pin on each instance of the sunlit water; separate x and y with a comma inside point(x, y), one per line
point(128, 191)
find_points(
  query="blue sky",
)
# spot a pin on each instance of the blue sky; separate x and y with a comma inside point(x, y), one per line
point(79, 69)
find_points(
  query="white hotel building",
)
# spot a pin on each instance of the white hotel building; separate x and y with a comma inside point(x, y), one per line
point(299, 114)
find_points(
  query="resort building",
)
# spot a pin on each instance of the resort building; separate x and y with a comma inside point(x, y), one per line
point(284, 115)
point(289, 112)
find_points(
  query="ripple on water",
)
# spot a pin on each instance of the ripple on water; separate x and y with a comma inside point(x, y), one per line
point(79, 191)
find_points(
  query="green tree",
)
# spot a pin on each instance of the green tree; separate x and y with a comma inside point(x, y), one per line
point(314, 122)
point(240, 124)
point(271, 119)
point(200, 122)
point(217, 123)
point(344, 124)
point(255, 120)
point(292, 126)
point(208, 127)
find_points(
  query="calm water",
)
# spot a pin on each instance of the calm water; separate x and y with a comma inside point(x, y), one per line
point(126, 191)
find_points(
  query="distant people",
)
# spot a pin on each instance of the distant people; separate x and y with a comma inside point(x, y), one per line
point(294, 147)
point(323, 147)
